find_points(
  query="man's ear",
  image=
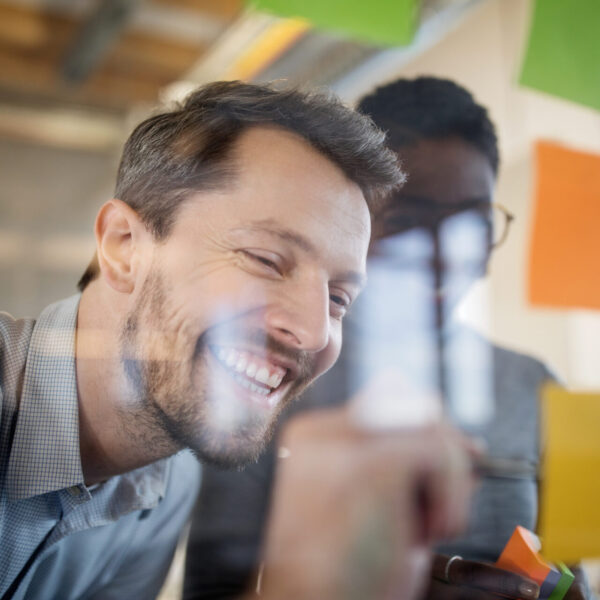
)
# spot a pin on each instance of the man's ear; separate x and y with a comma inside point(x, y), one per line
point(118, 230)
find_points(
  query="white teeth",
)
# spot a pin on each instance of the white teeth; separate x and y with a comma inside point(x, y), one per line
point(251, 370)
point(251, 386)
point(231, 358)
point(240, 363)
point(262, 375)
point(274, 380)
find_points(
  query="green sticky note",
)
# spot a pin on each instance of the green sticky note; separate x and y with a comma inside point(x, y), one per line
point(564, 583)
point(388, 22)
point(563, 54)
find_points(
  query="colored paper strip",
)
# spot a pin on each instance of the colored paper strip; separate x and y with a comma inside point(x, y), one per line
point(562, 587)
point(570, 486)
point(565, 245)
point(563, 53)
point(266, 48)
point(388, 22)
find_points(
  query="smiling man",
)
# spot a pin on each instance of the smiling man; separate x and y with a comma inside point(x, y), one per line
point(234, 245)
point(235, 312)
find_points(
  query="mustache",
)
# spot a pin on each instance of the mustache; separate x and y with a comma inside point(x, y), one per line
point(258, 338)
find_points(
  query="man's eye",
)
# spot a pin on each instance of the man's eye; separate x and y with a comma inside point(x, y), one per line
point(339, 304)
point(264, 259)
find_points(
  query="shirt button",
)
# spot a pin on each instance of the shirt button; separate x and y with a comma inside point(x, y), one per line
point(75, 491)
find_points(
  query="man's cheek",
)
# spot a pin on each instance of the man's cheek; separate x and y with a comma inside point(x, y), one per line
point(328, 356)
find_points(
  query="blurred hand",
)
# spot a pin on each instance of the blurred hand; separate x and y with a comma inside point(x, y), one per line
point(355, 512)
point(472, 580)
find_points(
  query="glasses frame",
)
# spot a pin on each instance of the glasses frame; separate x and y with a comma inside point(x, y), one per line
point(509, 218)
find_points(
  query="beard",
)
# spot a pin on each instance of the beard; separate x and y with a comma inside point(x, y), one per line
point(179, 401)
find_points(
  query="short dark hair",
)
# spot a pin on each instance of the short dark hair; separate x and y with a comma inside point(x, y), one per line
point(174, 154)
point(429, 107)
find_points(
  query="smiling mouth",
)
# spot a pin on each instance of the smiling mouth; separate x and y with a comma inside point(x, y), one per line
point(251, 371)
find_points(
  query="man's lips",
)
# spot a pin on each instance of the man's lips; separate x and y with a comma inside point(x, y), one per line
point(252, 371)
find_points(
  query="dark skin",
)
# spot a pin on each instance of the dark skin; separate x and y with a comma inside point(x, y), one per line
point(472, 580)
point(445, 176)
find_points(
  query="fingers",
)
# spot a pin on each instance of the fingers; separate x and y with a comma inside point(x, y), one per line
point(336, 479)
point(439, 470)
point(482, 576)
point(436, 465)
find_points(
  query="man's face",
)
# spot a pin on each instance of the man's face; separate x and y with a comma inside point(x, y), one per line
point(444, 209)
point(241, 306)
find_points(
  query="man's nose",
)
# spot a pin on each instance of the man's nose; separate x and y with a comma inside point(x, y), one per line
point(301, 318)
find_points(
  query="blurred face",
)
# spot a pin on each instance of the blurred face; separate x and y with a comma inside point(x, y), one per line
point(444, 210)
point(243, 303)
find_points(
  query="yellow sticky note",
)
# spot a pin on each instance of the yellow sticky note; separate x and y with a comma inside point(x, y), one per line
point(570, 484)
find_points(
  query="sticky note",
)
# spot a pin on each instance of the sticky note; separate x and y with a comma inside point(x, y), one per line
point(387, 22)
point(563, 51)
point(520, 555)
point(569, 525)
point(565, 244)
point(562, 587)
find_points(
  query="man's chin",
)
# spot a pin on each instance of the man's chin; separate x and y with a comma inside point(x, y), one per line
point(228, 450)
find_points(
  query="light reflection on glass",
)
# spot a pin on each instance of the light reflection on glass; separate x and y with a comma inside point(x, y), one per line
point(416, 279)
point(468, 364)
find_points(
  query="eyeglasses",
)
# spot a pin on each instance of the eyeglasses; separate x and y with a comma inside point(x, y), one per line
point(502, 219)
point(411, 213)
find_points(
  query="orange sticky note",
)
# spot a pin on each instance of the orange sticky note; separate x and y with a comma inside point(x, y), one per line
point(520, 555)
point(565, 247)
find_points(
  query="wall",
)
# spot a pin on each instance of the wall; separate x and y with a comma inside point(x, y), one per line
point(483, 53)
point(48, 200)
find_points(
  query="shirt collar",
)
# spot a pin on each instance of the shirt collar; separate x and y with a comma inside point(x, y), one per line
point(45, 454)
point(45, 450)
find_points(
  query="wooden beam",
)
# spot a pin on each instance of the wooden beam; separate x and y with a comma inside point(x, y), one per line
point(134, 70)
point(95, 37)
point(152, 55)
point(222, 9)
point(110, 88)
point(22, 27)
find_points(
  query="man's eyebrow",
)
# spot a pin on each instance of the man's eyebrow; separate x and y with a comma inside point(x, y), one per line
point(353, 277)
point(271, 227)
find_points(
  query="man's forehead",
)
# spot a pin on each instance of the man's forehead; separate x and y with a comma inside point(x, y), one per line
point(270, 140)
point(446, 169)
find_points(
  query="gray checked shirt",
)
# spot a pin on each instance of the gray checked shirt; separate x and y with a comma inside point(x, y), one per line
point(59, 538)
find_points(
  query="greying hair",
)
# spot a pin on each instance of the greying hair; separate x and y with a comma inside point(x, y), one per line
point(174, 154)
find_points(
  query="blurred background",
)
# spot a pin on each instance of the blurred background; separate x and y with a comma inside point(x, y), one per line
point(77, 75)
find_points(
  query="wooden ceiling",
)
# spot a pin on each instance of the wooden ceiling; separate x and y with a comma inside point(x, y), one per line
point(105, 54)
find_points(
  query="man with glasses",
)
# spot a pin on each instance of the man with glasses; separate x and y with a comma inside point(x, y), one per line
point(434, 241)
